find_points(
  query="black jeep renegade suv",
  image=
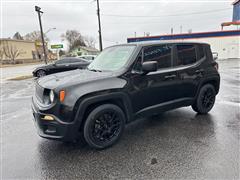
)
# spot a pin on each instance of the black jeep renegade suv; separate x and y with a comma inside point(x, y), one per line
point(122, 83)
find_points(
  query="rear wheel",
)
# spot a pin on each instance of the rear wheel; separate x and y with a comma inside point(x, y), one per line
point(41, 73)
point(205, 100)
point(104, 126)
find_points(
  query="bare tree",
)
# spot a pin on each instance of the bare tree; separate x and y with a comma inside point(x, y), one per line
point(11, 52)
point(1, 54)
point(74, 39)
point(1, 50)
point(35, 36)
point(17, 36)
point(90, 41)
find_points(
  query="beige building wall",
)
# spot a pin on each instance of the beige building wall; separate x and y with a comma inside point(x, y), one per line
point(25, 48)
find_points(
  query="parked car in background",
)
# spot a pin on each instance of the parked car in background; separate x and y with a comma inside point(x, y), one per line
point(65, 64)
point(125, 82)
point(88, 57)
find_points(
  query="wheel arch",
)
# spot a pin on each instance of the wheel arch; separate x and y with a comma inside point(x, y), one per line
point(215, 81)
point(85, 105)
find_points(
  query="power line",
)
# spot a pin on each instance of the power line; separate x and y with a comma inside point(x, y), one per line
point(170, 15)
point(159, 21)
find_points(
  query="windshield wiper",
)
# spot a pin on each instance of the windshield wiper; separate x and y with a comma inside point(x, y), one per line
point(94, 70)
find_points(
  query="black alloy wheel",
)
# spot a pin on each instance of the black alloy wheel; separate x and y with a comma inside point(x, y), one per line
point(208, 98)
point(104, 126)
point(205, 100)
point(41, 73)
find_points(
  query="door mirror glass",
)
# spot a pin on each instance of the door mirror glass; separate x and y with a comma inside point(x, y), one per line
point(149, 66)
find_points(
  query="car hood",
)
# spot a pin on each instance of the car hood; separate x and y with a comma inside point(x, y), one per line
point(69, 78)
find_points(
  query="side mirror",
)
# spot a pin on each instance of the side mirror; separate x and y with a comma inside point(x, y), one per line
point(150, 66)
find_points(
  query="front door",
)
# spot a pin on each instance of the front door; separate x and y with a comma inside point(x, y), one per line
point(61, 65)
point(149, 91)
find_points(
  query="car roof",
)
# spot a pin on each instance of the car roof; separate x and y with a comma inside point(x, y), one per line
point(69, 58)
point(149, 43)
point(86, 55)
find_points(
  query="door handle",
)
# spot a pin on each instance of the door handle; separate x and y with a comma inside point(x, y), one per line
point(170, 76)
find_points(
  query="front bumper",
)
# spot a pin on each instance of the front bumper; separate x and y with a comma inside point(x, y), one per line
point(54, 129)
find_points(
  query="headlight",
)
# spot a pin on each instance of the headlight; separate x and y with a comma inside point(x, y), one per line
point(51, 96)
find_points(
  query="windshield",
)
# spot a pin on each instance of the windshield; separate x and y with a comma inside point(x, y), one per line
point(112, 59)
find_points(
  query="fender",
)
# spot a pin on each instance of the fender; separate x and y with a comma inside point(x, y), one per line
point(207, 79)
point(86, 102)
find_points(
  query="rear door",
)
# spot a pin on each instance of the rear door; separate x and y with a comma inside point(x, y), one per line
point(189, 68)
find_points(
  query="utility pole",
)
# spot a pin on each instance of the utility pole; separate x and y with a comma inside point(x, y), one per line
point(99, 27)
point(38, 10)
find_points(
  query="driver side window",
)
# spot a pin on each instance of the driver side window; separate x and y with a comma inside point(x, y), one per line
point(62, 61)
point(159, 53)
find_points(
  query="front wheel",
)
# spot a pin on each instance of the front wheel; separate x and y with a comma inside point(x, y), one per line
point(205, 99)
point(104, 126)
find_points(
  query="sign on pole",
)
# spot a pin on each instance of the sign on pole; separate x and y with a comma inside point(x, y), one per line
point(56, 46)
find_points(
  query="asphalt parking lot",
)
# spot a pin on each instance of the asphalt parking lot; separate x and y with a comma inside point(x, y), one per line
point(178, 144)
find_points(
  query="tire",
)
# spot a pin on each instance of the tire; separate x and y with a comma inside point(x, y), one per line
point(104, 126)
point(41, 73)
point(205, 99)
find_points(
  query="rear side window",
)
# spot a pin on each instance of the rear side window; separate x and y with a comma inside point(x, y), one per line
point(186, 54)
point(161, 54)
point(77, 61)
point(62, 61)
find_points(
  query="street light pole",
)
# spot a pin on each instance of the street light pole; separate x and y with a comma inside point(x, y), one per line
point(50, 29)
point(99, 27)
point(37, 9)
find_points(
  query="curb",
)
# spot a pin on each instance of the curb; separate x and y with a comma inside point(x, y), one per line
point(19, 78)
point(18, 65)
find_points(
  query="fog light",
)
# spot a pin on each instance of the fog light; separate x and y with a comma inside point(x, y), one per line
point(48, 118)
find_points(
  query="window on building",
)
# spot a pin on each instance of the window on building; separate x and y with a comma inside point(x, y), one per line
point(161, 54)
point(186, 54)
